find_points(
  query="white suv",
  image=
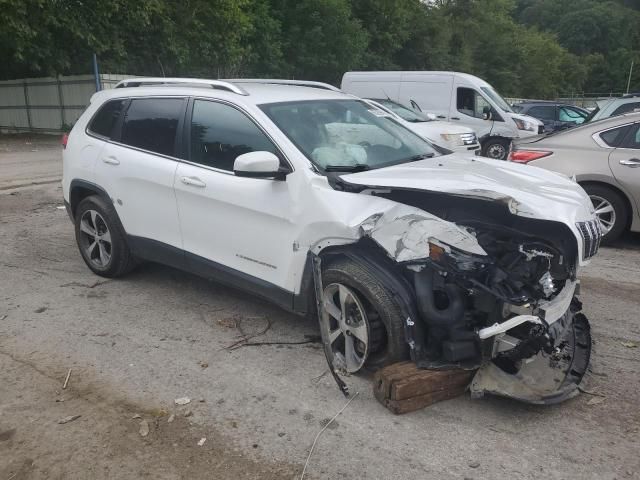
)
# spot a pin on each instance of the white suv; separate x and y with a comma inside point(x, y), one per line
point(324, 204)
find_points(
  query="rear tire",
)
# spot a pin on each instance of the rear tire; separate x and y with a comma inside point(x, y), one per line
point(101, 239)
point(385, 326)
point(611, 210)
point(496, 148)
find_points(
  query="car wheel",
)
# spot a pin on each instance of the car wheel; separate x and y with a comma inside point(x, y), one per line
point(496, 148)
point(361, 323)
point(611, 210)
point(101, 239)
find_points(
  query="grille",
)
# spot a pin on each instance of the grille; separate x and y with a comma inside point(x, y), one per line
point(468, 138)
point(591, 237)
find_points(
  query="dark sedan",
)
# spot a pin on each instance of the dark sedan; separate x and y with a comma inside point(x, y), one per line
point(555, 116)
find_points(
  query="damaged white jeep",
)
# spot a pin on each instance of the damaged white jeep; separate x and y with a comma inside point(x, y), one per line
point(324, 205)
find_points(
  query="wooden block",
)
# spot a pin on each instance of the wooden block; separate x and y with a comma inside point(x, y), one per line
point(402, 387)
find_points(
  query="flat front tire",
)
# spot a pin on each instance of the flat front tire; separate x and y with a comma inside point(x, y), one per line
point(101, 238)
point(360, 321)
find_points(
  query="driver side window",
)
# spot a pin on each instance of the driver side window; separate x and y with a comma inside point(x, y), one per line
point(471, 103)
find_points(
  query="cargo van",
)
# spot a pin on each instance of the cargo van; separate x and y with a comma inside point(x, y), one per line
point(451, 96)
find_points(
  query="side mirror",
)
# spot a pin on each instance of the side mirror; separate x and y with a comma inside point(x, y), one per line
point(486, 113)
point(258, 165)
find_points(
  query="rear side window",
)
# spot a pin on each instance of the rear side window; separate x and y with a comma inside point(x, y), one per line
point(626, 108)
point(614, 137)
point(152, 124)
point(632, 140)
point(104, 121)
point(543, 113)
point(220, 133)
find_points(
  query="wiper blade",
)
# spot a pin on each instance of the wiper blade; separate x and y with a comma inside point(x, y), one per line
point(347, 168)
point(422, 156)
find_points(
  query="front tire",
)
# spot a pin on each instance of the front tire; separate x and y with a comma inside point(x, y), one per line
point(101, 238)
point(361, 322)
point(496, 148)
point(611, 210)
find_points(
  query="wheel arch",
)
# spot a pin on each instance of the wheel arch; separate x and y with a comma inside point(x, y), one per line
point(616, 189)
point(79, 190)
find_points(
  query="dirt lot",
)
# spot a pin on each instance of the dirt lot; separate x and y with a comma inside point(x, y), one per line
point(137, 344)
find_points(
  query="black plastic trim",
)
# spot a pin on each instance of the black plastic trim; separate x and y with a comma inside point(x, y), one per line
point(79, 183)
point(154, 251)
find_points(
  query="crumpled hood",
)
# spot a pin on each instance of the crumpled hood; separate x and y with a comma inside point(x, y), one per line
point(528, 191)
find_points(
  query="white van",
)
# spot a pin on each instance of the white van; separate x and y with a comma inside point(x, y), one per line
point(452, 96)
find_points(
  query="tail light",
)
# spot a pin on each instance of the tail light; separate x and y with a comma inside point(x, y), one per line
point(64, 140)
point(526, 156)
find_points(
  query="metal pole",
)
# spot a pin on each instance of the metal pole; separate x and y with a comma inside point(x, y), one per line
point(26, 104)
point(61, 102)
point(96, 73)
point(630, 72)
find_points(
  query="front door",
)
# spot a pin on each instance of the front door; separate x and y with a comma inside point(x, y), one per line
point(239, 226)
point(468, 109)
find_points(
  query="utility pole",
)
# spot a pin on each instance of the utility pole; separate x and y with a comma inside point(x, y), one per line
point(96, 73)
point(630, 72)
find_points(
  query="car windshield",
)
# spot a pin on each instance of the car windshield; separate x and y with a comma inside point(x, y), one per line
point(347, 135)
point(495, 96)
point(403, 112)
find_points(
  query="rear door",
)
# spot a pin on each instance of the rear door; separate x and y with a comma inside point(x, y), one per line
point(625, 162)
point(137, 169)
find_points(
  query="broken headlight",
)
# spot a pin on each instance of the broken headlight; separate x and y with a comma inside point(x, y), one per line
point(448, 256)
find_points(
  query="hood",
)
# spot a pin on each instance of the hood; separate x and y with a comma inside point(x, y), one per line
point(529, 191)
point(436, 127)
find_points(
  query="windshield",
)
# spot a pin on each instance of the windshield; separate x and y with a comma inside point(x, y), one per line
point(347, 135)
point(403, 112)
point(497, 99)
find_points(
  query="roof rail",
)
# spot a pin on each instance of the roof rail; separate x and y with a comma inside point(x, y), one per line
point(275, 81)
point(216, 84)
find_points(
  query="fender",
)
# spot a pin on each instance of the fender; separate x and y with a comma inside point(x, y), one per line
point(80, 189)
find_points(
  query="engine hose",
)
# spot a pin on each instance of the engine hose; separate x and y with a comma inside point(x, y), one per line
point(431, 314)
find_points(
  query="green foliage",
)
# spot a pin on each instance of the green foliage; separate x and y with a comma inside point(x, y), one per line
point(529, 48)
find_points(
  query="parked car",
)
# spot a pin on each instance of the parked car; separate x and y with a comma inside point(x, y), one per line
point(604, 157)
point(311, 199)
point(616, 106)
point(445, 134)
point(456, 97)
point(554, 116)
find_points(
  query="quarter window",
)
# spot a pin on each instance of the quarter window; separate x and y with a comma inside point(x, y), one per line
point(614, 137)
point(221, 133)
point(105, 120)
point(152, 124)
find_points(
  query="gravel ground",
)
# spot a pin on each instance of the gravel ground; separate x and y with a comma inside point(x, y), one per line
point(136, 344)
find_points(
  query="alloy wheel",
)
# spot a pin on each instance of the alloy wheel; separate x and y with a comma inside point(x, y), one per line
point(345, 327)
point(605, 212)
point(95, 238)
point(497, 151)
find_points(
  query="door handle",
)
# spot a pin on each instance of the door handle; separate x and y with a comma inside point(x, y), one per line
point(111, 160)
point(632, 162)
point(441, 116)
point(455, 118)
point(193, 181)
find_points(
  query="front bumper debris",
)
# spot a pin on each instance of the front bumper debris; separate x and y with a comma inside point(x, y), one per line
point(544, 378)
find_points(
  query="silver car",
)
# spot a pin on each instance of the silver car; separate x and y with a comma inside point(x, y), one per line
point(604, 158)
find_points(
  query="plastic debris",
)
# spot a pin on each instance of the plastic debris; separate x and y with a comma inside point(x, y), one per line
point(182, 401)
point(201, 441)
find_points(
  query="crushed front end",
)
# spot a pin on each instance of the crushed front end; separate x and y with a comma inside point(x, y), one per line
point(496, 295)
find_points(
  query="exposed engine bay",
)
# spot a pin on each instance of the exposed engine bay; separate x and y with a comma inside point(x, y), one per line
point(506, 306)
